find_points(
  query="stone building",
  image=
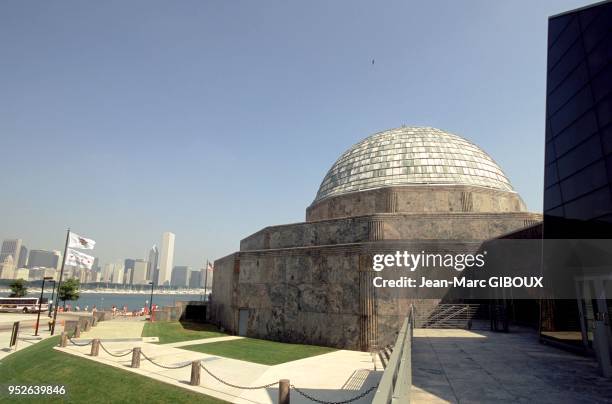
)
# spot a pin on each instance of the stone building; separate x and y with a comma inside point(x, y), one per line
point(311, 282)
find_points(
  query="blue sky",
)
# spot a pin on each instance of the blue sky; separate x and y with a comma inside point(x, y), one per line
point(215, 119)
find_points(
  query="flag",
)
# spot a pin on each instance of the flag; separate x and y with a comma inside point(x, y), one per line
point(209, 267)
point(78, 259)
point(77, 241)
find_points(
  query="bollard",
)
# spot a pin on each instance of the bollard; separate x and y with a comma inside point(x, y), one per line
point(136, 357)
point(283, 391)
point(77, 331)
point(87, 325)
point(63, 339)
point(195, 373)
point(95, 347)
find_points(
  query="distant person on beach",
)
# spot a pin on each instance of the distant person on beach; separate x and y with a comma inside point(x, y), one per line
point(86, 308)
point(94, 309)
point(114, 310)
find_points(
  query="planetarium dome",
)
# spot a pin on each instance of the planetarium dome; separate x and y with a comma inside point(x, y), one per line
point(412, 156)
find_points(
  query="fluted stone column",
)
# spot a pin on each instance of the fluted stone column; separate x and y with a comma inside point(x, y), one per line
point(368, 335)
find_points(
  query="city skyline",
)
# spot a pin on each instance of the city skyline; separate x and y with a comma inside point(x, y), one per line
point(161, 118)
point(142, 268)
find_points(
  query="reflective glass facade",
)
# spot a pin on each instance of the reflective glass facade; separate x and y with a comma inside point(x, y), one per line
point(578, 160)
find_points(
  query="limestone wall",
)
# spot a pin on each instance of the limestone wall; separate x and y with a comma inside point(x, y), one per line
point(448, 226)
point(222, 303)
point(316, 295)
point(416, 199)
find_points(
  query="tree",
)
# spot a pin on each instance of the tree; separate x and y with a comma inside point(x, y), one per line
point(69, 290)
point(18, 288)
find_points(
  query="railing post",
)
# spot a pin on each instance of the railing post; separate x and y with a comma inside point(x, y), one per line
point(284, 391)
point(63, 339)
point(195, 373)
point(95, 347)
point(77, 331)
point(135, 357)
point(87, 326)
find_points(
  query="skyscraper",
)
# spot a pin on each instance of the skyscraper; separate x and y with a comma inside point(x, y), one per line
point(43, 259)
point(7, 267)
point(153, 259)
point(11, 247)
point(128, 266)
point(139, 273)
point(117, 274)
point(195, 279)
point(180, 276)
point(166, 258)
point(23, 257)
point(107, 273)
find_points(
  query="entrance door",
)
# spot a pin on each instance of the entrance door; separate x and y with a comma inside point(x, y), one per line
point(243, 321)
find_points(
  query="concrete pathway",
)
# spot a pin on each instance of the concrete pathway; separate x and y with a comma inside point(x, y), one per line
point(116, 329)
point(202, 341)
point(461, 366)
point(337, 376)
point(26, 339)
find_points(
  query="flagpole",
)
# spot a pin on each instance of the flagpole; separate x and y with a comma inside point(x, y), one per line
point(59, 283)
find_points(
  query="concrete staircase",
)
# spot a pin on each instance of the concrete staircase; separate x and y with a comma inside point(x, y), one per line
point(447, 316)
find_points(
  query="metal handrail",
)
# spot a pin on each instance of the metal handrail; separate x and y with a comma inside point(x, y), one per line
point(396, 382)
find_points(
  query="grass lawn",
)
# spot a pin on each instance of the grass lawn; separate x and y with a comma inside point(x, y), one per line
point(174, 331)
point(86, 381)
point(259, 350)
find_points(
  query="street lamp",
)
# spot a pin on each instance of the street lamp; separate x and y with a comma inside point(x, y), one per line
point(151, 302)
point(52, 296)
point(42, 290)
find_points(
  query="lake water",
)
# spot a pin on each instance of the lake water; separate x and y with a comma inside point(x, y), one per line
point(133, 301)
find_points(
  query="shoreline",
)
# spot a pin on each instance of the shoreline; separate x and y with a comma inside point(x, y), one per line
point(134, 292)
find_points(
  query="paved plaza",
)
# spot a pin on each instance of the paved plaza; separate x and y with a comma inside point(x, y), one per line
point(461, 366)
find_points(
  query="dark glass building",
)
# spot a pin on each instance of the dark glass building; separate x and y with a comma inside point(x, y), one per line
point(578, 170)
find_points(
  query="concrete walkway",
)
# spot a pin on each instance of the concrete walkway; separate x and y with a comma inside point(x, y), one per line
point(202, 341)
point(334, 376)
point(461, 366)
point(116, 329)
point(25, 339)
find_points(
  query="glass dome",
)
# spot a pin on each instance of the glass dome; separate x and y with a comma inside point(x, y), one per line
point(412, 156)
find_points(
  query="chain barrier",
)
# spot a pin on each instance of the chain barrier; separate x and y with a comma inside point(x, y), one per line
point(235, 385)
point(129, 351)
point(76, 343)
point(265, 386)
point(164, 366)
point(350, 400)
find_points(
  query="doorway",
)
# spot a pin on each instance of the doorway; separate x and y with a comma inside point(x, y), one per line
point(243, 322)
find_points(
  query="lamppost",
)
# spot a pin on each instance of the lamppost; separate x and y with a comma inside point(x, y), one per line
point(42, 290)
point(52, 295)
point(151, 302)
